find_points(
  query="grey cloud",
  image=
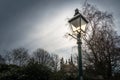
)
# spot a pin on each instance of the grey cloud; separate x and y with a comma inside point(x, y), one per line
point(18, 18)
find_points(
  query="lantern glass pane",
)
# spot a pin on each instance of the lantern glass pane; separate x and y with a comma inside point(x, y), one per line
point(83, 24)
point(76, 22)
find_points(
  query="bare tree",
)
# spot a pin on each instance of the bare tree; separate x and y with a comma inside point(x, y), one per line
point(19, 56)
point(55, 62)
point(101, 42)
point(7, 56)
point(43, 57)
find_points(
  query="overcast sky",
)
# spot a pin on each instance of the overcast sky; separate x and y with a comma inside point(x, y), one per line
point(43, 23)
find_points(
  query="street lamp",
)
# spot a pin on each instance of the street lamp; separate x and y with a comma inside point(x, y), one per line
point(78, 24)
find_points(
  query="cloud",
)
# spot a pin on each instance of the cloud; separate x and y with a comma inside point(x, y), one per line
point(41, 23)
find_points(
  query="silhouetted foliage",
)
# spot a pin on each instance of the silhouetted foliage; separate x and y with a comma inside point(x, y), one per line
point(9, 72)
point(33, 71)
point(41, 65)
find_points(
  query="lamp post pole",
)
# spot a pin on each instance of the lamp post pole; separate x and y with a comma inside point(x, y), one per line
point(80, 77)
point(78, 24)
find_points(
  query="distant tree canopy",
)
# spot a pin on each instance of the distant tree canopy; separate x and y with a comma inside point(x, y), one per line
point(18, 64)
point(33, 71)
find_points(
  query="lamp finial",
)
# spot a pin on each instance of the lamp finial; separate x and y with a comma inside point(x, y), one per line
point(76, 11)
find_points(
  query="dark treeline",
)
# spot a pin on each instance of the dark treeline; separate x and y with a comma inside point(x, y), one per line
point(18, 64)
